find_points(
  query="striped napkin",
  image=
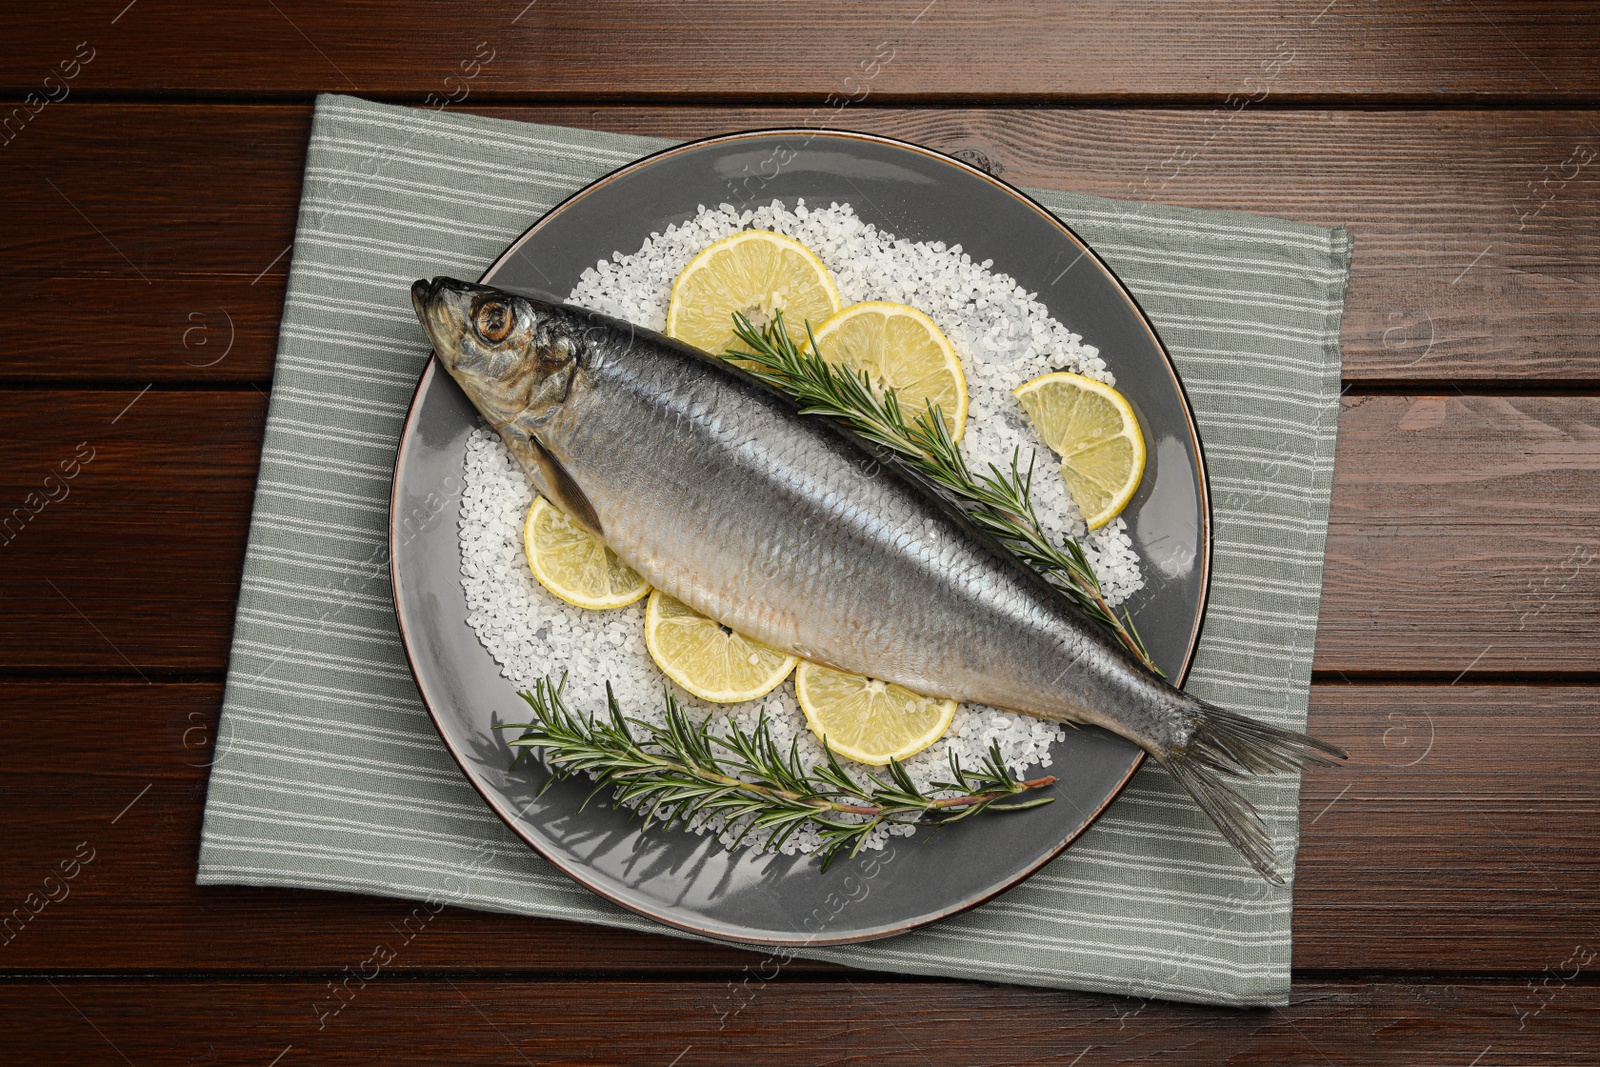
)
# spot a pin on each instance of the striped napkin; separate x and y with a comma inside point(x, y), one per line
point(329, 774)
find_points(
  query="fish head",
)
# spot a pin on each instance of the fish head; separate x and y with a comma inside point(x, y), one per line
point(515, 356)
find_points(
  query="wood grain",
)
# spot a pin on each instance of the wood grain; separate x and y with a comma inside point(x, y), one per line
point(1457, 839)
point(1464, 532)
point(1477, 235)
point(1457, 831)
point(1461, 538)
point(728, 51)
point(131, 564)
point(689, 1024)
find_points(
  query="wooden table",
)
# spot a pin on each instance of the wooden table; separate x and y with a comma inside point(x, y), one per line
point(1449, 889)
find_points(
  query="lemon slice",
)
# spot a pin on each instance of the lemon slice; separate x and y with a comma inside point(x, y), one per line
point(708, 659)
point(900, 348)
point(867, 720)
point(1095, 432)
point(574, 564)
point(756, 272)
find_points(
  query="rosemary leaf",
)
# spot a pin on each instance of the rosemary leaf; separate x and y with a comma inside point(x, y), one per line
point(999, 502)
point(681, 774)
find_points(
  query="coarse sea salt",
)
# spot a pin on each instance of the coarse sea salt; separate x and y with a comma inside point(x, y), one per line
point(1004, 336)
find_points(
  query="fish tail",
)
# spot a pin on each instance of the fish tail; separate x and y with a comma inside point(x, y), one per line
point(1225, 748)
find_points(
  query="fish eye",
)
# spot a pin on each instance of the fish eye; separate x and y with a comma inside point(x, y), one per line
point(493, 321)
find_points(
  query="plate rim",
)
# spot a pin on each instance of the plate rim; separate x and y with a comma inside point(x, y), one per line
point(577, 871)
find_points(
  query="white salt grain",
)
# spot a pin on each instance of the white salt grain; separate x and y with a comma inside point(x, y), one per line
point(1004, 337)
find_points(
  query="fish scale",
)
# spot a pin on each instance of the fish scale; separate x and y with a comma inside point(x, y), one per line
point(792, 531)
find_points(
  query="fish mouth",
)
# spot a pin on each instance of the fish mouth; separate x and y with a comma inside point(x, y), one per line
point(428, 296)
point(422, 291)
point(441, 307)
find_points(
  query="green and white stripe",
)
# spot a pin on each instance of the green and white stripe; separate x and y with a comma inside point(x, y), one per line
point(329, 774)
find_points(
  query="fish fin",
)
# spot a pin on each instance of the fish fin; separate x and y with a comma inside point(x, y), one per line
point(564, 492)
point(1224, 748)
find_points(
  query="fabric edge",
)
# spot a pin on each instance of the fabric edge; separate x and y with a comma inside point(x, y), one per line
point(1341, 249)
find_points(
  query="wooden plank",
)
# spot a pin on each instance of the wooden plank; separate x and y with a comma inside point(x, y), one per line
point(157, 244)
point(1456, 835)
point(123, 329)
point(726, 50)
point(1457, 839)
point(1464, 532)
point(1463, 536)
point(124, 522)
point(1477, 234)
point(471, 1021)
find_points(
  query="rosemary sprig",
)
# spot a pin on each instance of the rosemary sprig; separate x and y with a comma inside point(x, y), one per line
point(683, 774)
point(999, 502)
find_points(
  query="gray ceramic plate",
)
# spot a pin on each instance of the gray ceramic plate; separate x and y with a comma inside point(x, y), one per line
point(686, 880)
